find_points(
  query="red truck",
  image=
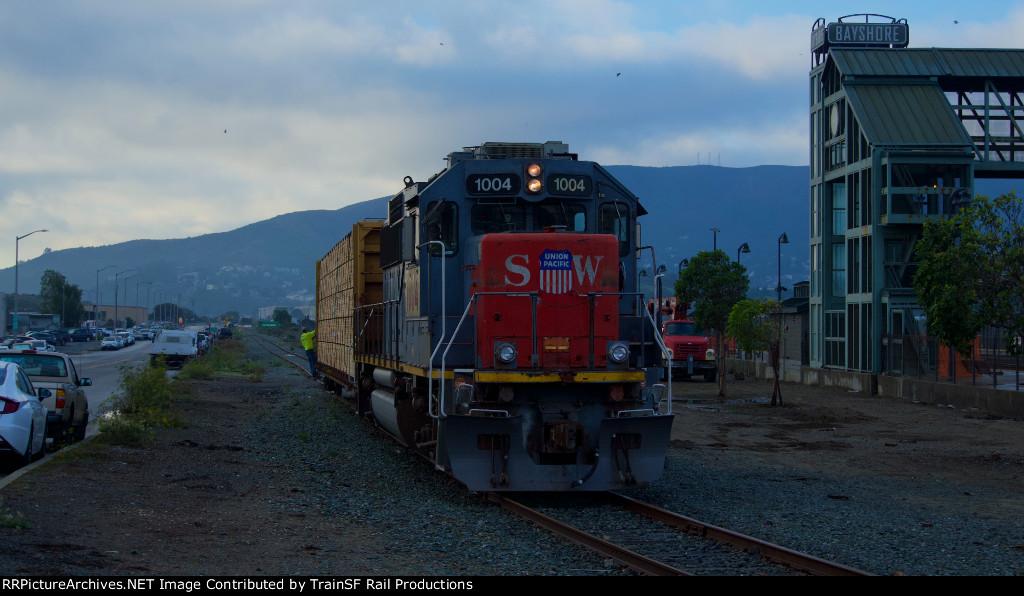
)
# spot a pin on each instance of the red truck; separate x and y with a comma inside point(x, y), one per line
point(690, 349)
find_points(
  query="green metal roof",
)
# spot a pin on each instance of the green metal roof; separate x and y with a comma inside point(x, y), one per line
point(906, 115)
point(930, 62)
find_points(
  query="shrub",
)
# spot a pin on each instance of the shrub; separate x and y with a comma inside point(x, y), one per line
point(197, 368)
point(120, 429)
point(145, 397)
point(253, 371)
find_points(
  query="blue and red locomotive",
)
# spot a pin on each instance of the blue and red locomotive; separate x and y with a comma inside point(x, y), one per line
point(507, 340)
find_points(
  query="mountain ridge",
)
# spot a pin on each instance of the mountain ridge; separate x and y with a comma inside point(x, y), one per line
point(272, 262)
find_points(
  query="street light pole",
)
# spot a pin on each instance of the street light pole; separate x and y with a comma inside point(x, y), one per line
point(17, 239)
point(96, 305)
point(783, 239)
point(715, 231)
point(149, 286)
point(744, 248)
point(63, 290)
point(115, 295)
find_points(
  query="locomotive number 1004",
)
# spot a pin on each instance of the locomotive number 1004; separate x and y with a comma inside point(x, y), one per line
point(492, 184)
point(563, 184)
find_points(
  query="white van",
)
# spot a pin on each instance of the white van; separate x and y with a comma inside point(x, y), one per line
point(176, 347)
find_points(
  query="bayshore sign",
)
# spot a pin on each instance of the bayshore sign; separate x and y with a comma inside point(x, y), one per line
point(875, 31)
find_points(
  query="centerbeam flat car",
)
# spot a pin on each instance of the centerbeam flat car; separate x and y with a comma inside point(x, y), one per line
point(492, 322)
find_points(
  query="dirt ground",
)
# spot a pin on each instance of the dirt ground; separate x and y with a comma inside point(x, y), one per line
point(205, 500)
point(839, 431)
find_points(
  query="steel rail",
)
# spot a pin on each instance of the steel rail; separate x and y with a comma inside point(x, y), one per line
point(282, 353)
point(771, 552)
point(639, 563)
point(634, 561)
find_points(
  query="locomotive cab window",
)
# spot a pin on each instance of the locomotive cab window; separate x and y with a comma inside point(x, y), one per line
point(442, 223)
point(491, 218)
point(556, 212)
point(613, 218)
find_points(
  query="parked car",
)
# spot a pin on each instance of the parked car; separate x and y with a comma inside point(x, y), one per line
point(22, 416)
point(127, 338)
point(81, 335)
point(67, 410)
point(48, 336)
point(224, 333)
point(205, 341)
point(62, 335)
point(111, 342)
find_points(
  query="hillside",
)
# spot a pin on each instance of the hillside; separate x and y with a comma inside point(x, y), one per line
point(272, 262)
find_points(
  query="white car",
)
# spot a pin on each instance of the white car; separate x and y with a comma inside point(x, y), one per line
point(22, 417)
point(111, 342)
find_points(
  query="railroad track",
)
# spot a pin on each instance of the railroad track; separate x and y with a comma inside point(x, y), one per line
point(673, 544)
point(652, 541)
point(297, 360)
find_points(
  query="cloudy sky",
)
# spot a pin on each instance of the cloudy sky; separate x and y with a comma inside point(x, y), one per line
point(122, 119)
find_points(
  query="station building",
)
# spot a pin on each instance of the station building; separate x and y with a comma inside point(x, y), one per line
point(898, 135)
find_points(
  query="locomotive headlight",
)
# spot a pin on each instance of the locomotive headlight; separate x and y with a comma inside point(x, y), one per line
point(618, 351)
point(533, 175)
point(505, 353)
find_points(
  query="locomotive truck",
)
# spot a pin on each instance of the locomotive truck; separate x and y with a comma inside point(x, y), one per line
point(492, 323)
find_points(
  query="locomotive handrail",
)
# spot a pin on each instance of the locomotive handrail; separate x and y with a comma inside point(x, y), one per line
point(444, 330)
point(474, 298)
point(430, 394)
point(444, 355)
point(664, 354)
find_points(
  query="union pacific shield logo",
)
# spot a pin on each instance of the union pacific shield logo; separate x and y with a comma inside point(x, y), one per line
point(555, 271)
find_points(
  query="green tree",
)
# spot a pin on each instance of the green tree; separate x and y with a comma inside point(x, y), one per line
point(60, 297)
point(756, 325)
point(712, 283)
point(282, 316)
point(971, 272)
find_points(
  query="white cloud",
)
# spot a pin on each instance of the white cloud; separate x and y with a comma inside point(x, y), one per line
point(1006, 32)
point(763, 48)
point(740, 145)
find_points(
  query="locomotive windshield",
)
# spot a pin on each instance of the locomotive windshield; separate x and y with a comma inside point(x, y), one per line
point(573, 216)
point(493, 218)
